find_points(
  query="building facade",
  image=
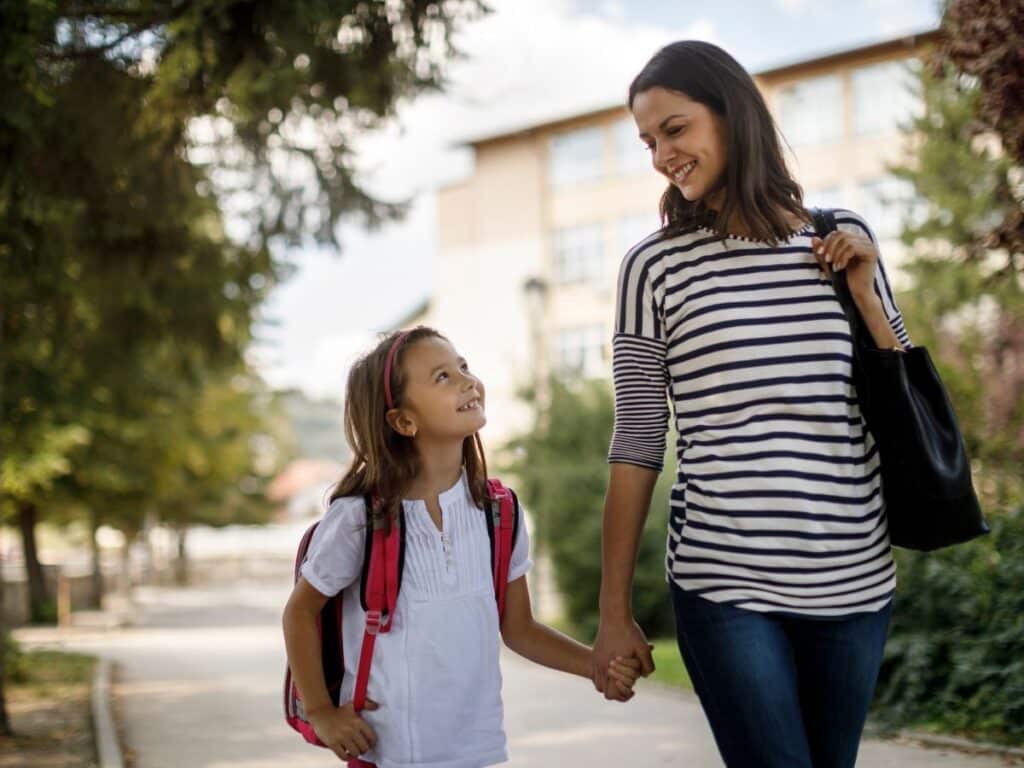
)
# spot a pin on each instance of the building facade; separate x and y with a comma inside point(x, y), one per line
point(530, 242)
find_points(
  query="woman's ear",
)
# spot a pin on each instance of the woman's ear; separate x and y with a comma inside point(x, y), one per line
point(401, 422)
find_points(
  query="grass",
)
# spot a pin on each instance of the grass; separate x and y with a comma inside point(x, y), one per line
point(45, 671)
point(47, 696)
point(668, 666)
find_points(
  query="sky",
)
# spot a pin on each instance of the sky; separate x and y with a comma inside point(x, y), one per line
point(527, 61)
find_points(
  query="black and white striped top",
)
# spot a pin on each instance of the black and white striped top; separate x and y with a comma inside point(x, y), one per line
point(777, 504)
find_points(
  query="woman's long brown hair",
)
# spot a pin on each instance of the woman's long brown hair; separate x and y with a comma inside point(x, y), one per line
point(384, 462)
point(758, 186)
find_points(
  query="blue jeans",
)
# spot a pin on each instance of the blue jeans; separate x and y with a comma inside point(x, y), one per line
point(778, 690)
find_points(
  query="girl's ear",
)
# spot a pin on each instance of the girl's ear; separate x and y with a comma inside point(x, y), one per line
point(401, 422)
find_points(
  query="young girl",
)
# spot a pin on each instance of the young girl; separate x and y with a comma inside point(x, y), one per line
point(412, 413)
point(779, 561)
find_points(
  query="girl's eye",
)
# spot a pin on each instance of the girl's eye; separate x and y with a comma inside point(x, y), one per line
point(441, 376)
point(464, 367)
point(675, 130)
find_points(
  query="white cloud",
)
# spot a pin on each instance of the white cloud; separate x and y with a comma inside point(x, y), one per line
point(794, 6)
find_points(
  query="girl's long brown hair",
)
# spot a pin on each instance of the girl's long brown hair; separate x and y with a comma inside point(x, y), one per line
point(384, 462)
point(758, 186)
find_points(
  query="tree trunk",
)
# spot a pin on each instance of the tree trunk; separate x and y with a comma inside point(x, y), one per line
point(5, 721)
point(181, 563)
point(124, 581)
point(37, 598)
point(97, 560)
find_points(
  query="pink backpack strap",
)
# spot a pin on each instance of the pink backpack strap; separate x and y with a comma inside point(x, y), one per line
point(381, 597)
point(503, 511)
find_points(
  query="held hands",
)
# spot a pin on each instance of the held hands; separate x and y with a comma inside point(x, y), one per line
point(343, 731)
point(621, 653)
point(854, 253)
point(622, 676)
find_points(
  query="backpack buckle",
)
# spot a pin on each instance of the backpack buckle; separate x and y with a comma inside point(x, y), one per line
point(373, 622)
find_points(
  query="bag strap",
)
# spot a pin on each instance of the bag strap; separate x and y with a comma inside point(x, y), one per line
point(503, 524)
point(824, 224)
point(381, 595)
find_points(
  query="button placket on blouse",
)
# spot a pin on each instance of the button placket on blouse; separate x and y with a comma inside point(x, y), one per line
point(447, 546)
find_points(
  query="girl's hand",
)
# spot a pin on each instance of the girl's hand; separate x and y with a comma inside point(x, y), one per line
point(343, 731)
point(623, 674)
point(854, 253)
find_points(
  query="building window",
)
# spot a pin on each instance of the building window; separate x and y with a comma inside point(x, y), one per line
point(581, 352)
point(633, 228)
point(576, 156)
point(579, 254)
point(884, 97)
point(811, 111)
point(886, 204)
point(631, 156)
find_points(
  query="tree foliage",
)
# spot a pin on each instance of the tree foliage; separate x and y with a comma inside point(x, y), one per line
point(953, 661)
point(153, 155)
point(562, 471)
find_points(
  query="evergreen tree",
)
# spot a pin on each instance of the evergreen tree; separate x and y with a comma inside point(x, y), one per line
point(956, 641)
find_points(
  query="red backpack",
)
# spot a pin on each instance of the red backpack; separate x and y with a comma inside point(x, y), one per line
point(381, 578)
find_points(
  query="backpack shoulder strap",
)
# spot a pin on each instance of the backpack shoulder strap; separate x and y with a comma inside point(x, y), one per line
point(502, 527)
point(379, 592)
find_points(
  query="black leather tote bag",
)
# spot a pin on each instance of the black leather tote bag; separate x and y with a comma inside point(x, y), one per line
point(926, 477)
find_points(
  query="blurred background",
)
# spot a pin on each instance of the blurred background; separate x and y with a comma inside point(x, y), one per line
point(209, 208)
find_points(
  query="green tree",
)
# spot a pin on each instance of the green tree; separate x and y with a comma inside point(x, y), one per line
point(953, 661)
point(219, 454)
point(123, 128)
point(562, 473)
point(127, 129)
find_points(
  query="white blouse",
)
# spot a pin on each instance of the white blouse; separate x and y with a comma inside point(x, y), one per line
point(436, 674)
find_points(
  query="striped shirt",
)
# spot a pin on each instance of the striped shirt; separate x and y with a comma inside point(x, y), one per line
point(777, 503)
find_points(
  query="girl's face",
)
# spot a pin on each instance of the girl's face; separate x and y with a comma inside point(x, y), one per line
point(442, 399)
point(686, 140)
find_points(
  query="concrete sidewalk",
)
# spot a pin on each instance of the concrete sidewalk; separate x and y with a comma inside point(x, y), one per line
point(198, 681)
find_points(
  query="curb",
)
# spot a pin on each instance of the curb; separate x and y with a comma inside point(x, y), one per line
point(963, 745)
point(108, 750)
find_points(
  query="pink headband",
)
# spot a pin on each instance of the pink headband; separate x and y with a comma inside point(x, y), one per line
point(387, 368)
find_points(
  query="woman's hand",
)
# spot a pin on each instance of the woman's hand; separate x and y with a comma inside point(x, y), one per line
point(343, 731)
point(854, 253)
point(622, 640)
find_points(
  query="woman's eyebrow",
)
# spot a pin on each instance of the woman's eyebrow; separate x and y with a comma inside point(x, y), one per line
point(663, 123)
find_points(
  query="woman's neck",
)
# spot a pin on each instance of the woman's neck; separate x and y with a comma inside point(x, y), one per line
point(736, 224)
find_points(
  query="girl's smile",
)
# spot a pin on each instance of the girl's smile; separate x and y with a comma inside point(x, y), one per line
point(440, 383)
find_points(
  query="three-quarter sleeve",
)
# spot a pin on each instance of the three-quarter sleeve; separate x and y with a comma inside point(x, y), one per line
point(848, 221)
point(639, 368)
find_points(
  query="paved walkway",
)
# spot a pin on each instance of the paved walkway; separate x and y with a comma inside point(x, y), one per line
point(198, 685)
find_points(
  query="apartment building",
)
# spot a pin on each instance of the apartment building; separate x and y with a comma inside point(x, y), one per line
point(530, 242)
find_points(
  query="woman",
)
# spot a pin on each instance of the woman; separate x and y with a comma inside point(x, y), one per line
point(779, 562)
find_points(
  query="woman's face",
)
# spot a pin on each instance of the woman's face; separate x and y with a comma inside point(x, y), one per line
point(686, 140)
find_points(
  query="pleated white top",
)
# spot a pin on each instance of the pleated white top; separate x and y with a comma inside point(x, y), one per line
point(436, 674)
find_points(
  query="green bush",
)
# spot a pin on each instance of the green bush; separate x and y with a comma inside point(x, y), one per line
point(562, 473)
point(15, 670)
point(955, 656)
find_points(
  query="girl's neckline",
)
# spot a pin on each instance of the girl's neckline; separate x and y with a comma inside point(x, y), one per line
point(445, 496)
